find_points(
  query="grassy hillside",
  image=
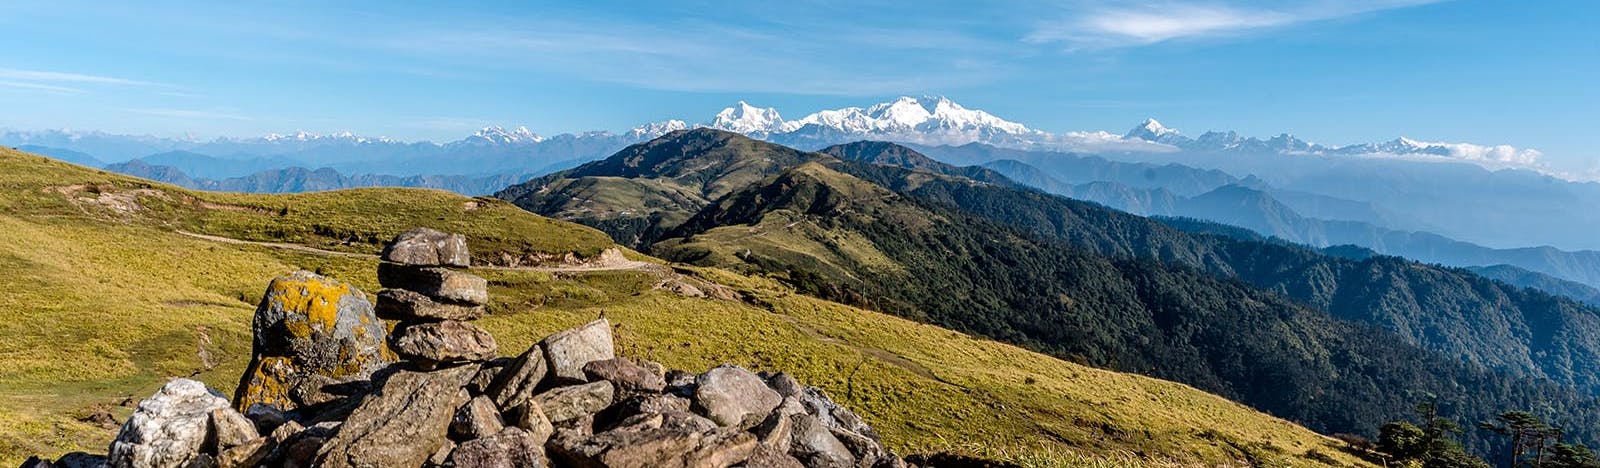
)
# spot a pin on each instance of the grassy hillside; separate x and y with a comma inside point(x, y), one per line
point(104, 298)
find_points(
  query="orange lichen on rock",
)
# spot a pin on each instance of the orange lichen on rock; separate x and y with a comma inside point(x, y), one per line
point(308, 325)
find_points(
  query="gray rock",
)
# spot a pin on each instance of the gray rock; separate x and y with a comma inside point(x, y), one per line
point(767, 456)
point(784, 384)
point(35, 462)
point(562, 404)
point(531, 418)
point(228, 429)
point(730, 394)
point(444, 342)
point(654, 368)
point(250, 453)
point(814, 445)
point(776, 431)
point(648, 445)
point(515, 385)
point(867, 451)
point(511, 448)
point(310, 325)
point(478, 418)
point(628, 377)
point(402, 423)
point(568, 351)
point(266, 417)
point(833, 415)
point(427, 247)
point(168, 429)
point(439, 283)
point(401, 304)
point(81, 460)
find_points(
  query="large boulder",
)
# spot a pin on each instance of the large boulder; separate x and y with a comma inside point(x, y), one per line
point(439, 283)
point(401, 304)
point(449, 341)
point(168, 429)
point(428, 247)
point(401, 423)
point(308, 325)
point(568, 351)
point(733, 396)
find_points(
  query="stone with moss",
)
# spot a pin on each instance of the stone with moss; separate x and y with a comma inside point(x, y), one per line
point(308, 325)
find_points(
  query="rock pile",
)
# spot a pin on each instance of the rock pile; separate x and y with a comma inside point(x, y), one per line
point(431, 302)
point(568, 401)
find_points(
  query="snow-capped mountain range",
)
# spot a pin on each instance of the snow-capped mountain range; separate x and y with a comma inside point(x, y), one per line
point(927, 121)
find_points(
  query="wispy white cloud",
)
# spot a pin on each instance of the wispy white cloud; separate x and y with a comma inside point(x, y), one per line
point(38, 76)
point(25, 86)
point(1153, 22)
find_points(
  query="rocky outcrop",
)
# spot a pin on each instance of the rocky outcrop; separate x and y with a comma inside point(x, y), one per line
point(568, 401)
point(402, 422)
point(310, 330)
point(168, 429)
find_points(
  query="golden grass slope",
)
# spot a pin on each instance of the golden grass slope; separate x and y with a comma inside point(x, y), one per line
point(103, 300)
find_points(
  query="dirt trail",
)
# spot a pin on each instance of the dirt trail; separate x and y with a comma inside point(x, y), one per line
point(610, 260)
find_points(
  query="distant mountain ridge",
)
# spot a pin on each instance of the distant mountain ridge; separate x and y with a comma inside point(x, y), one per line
point(928, 120)
point(300, 179)
point(1260, 210)
point(1084, 281)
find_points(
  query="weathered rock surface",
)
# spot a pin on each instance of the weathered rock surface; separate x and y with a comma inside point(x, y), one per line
point(169, 428)
point(531, 418)
point(309, 325)
point(443, 342)
point(515, 385)
point(401, 304)
point(439, 283)
point(567, 352)
point(476, 419)
point(510, 448)
point(626, 375)
point(229, 428)
point(767, 456)
point(730, 394)
point(402, 422)
point(428, 247)
point(563, 404)
point(646, 444)
point(815, 446)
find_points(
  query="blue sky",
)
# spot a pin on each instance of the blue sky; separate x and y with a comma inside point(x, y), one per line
point(1522, 73)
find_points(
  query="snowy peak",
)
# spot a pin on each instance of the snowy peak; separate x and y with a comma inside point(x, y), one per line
point(502, 136)
point(747, 119)
point(1152, 131)
point(919, 119)
point(656, 129)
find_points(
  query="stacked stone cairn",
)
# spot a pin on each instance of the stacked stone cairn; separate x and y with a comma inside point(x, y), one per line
point(568, 401)
point(432, 302)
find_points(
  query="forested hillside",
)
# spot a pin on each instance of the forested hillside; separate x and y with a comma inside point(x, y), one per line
point(1341, 344)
